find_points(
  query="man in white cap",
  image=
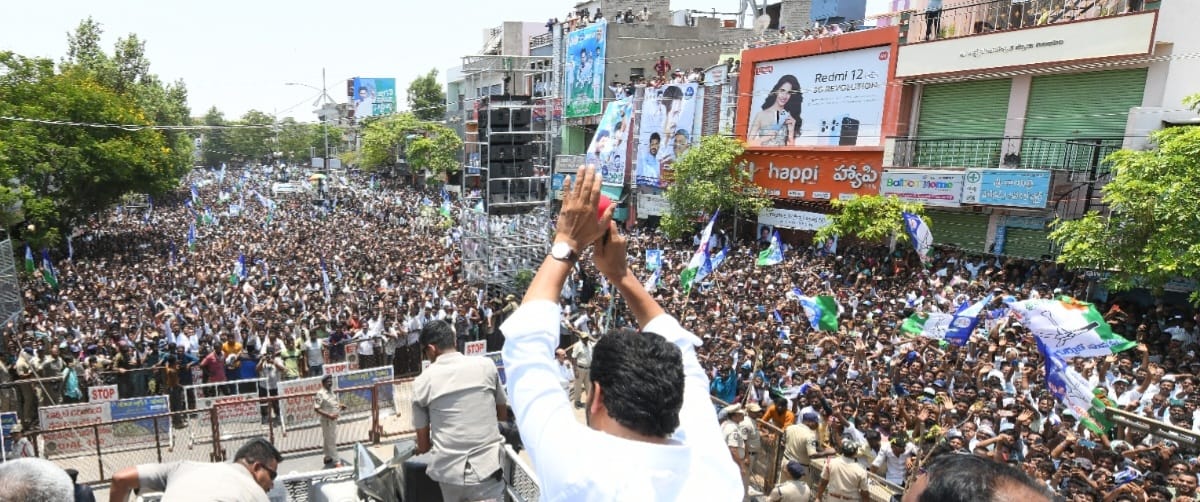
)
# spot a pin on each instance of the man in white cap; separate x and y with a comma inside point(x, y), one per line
point(21, 446)
point(732, 432)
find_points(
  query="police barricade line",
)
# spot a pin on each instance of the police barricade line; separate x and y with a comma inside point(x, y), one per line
point(354, 425)
point(123, 425)
point(398, 422)
point(237, 415)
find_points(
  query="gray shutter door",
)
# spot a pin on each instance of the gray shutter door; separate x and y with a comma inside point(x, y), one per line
point(962, 110)
point(1026, 243)
point(1077, 107)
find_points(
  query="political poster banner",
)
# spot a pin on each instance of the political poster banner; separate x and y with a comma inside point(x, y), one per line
point(360, 400)
point(668, 113)
point(832, 99)
point(79, 439)
point(584, 71)
point(373, 97)
point(609, 144)
point(7, 421)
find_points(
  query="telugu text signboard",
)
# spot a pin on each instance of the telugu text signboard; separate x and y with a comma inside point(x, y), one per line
point(795, 220)
point(1006, 187)
point(816, 176)
point(299, 411)
point(81, 439)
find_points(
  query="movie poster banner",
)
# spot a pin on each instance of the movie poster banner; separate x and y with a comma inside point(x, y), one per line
point(608, 146)
point(668, 113)
point(585, 71)
point(373, 97)
point(833, 99)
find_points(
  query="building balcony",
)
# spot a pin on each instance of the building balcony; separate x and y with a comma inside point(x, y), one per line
point(541, 40)
point(1075, 155)
point(979, 17)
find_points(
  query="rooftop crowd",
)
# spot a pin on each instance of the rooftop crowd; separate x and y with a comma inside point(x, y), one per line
point(133, 293)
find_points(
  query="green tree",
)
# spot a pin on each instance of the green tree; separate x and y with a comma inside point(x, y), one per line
point(215, 141)
point(295, 140)
point(708, 177)
point(62, 174)
point(253, 139)
point(425, 145)
point(426, 98)
point(1152, 232)
point(871, 218)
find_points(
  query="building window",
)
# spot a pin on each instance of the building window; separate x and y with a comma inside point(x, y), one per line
point(636, 74)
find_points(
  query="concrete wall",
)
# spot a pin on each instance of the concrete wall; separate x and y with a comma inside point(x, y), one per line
point(686, 47)
point(1174, 76)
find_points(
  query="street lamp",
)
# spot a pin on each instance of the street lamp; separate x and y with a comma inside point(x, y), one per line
point(321, 101)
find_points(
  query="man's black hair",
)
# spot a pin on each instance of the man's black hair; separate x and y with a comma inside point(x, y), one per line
point(258, 450)
point(642, 378)
point(438, 333)
point(971, 478)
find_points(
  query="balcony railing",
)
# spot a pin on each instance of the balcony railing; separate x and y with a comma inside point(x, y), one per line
point(541, 40)
point(1082, 154)
point(970, 18)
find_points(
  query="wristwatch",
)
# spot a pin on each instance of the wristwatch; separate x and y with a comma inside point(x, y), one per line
point(562, 251)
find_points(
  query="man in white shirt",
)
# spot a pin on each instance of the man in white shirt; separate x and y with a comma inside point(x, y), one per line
point(653, 438)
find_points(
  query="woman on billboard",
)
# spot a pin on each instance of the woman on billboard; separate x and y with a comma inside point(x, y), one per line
point(778, 123)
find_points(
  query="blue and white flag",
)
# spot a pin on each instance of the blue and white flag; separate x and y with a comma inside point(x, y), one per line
point(773, 255)
point(426, 202)
point(918, 232)
point(171, 255)
point(191, 236)
point(651, 284)
point(812, 309)
point(195, 193)
point(325, 279)
point(965, 320)
point(240, 267)
point(719, 258)
point(70, 249)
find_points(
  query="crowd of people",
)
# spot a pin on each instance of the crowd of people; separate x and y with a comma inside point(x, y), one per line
point(903, 400)
point(221, 273)
point(240, 285)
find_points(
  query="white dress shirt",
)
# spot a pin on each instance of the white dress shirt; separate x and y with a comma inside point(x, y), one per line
point(694, 465)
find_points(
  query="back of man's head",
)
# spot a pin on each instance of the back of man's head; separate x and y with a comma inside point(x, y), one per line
point(34, 479)
point(641, 375)
point(258, 450)
point(970, 478)
point(438, 333)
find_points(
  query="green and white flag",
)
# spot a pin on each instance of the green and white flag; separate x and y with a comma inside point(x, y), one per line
point(689, 274)
point(29, 264)
point(929, 325)
point(773, 255)
point(1069, 328)
point(829, 313)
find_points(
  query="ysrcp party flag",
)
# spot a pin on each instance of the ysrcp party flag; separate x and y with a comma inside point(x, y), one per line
point(699, 258)
point(918, 231)
point(929, 325)
point(1069, 328)
point(1087, 403)
point(773, 255)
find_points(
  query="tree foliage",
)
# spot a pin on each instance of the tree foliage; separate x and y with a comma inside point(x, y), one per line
point(1152, 233)
point(708, 177)
point(872, 218)
point(214, 146)
point(426, 98)
point(55, 175)
point(425, 145)
point(252, 144)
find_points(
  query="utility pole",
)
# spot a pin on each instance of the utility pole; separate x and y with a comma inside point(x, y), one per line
point(325, 118)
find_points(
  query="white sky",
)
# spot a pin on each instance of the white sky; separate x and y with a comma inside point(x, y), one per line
point(237, 55)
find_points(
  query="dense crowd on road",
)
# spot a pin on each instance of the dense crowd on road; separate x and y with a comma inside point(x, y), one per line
point(274, 286)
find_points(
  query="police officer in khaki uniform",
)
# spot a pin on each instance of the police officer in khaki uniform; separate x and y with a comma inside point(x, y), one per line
point(749, 427)
point(843, 479)
point(801, 445)
point(731, 430)
point(328, 407)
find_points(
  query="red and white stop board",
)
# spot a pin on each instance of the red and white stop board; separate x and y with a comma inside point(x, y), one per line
point(101, 393)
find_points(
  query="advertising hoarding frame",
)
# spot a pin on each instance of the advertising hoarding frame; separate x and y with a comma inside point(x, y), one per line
point(374, 95)
point(584, 71)
point(929, 187)
point(1024, 188)
point(816, 176)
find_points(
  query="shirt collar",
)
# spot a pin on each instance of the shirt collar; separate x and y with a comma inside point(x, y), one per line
point(448, 357)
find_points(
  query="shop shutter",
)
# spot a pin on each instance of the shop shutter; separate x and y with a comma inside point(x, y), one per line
point(1077, 107)
point(1026, 243)
point(962, 110)
point(961, 230)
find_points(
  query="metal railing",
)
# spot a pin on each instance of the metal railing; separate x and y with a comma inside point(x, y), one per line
point(541, 40)
point(971, 18)
point(1006, 152)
